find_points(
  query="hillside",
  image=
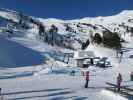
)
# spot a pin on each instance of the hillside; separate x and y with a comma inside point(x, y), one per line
point(32, 51)
point(73, 34)
point(110, 32)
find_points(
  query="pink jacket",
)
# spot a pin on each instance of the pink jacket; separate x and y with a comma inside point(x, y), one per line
point(119, 79)
point(87, 76)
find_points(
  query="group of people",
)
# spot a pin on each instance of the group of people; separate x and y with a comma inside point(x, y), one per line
point(119, 80)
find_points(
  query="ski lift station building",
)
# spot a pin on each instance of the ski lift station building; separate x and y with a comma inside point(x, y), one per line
point(83, 58)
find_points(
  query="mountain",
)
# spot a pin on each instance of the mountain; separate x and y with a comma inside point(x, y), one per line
point(73, 34)
point(33, 64)
point(109, 32)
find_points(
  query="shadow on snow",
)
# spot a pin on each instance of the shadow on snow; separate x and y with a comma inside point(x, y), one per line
point(14, 55)
point(59, 94)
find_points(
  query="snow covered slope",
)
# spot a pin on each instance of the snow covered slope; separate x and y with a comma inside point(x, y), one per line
point(53, 33)
point(73, 34)
point(28, 41)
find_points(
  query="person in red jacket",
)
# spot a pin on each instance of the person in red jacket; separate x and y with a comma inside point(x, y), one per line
point(87, 78)
point(119, 81)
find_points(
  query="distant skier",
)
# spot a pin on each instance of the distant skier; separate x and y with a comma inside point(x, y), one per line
point(0, 91)
point(87, 78)
point(119, 81)
point(1, 96)
point(131, 76)
point(73, 72)
point(91, 61)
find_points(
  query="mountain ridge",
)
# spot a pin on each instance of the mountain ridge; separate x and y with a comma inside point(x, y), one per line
point(53, 37)
point(72, 33)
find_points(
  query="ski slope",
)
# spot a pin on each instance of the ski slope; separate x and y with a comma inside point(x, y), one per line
point(41, 82)
point(25, 74)
point(56, 86)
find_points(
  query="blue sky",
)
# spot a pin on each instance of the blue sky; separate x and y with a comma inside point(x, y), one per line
point(68, 9)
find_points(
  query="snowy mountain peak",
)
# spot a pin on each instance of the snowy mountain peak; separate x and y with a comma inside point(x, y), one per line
point(74, 34)
point(126, 12)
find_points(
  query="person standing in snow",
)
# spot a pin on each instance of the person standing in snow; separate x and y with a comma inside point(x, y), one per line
point(73, 73)
point(131, 76)
point(119, 81)
point(0, 91)
point(87, 78)
point(1, 97)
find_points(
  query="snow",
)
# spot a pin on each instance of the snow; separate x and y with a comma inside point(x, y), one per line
point(9, 15)
point(52, 21)
point(51, 86)
point(46, 77)
point(109, 53)
point(56, 83)
point(16, 55)
point(113, 96)
point(44, 71)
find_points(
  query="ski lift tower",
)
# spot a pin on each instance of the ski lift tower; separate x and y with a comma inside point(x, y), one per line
point(67, 56)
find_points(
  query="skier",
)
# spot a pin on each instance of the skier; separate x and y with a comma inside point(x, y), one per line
point(1, 96)
point(87, 79)
point(119, 81)
point(91, 61)
point(0, 91)
point(131, 76)
point(73, 72)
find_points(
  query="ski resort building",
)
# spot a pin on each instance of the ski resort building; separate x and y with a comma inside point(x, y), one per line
point(84, 58)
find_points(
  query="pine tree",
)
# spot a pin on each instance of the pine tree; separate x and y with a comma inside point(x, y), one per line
point(97, 38)
point(111, 40)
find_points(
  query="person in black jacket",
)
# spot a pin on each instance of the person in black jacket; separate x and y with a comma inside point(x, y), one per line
point(119, 81)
